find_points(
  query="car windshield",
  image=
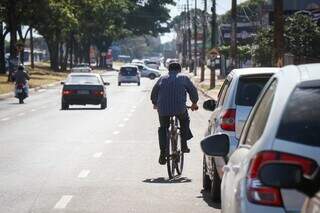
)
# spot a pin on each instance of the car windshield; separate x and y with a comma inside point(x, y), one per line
point(83, 79)
point(300, 122)
point(128, 71)
point(249, 89)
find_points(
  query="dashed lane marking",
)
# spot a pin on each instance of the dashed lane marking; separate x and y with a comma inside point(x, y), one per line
point(121, 125)
point(108, 141)
point(63, 202)
point(116, 132)
point(5, 119)
point(21, 114)
point(84, 174)
point(126, 119)
point(97, 155)
point(33, 110)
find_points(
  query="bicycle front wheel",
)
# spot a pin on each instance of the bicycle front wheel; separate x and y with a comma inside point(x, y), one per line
point(175, 156)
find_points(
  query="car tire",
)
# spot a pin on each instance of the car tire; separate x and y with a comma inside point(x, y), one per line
point(215, 189)
point(138, 83)
point(64, 106)
point(206, 182)
point(103, 104)
point(152, 76)
point(119, 83)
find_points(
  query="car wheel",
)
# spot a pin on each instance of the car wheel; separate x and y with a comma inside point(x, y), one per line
point(64, 106)
point(206, 182)
point(119, 83)
point(104, 104)
point(215, 191)
point(152, 76)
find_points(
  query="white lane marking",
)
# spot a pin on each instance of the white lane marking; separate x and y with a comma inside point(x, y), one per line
point(63, 202)
point(129, 115)
point(121, 125)
point(116, 132)
point(108, 141)
point(97, 155)
point(5, 119)
point(126, 119)
point(33, 110)
point(134, 107)
point(83, 173)
point(133, 110)
point(42, 90)
point(21, 114)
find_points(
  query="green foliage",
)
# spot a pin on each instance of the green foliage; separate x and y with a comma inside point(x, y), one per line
point(244, 51)
point(262, 51)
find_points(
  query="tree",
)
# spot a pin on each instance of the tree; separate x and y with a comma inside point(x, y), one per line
point(262, 47)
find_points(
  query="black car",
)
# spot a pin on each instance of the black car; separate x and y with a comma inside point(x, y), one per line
point(83, 89)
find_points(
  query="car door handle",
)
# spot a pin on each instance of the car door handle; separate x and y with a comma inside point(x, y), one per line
point(226, 168)
point(235, 168)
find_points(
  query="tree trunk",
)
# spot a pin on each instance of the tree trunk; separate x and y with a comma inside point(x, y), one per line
point(31, 48)
point(2, 50)
point(12, 24)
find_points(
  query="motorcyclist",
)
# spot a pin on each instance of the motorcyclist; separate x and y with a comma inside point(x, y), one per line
point(21, 77)
point(169, 96)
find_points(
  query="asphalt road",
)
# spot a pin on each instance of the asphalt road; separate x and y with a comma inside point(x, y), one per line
point(91, 160)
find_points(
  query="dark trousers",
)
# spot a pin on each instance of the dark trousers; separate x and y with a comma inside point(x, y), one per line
point(185, 131)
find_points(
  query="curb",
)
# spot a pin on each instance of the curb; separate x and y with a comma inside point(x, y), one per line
point(203, 92)
point(31, 90)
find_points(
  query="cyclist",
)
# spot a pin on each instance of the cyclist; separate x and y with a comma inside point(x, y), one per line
point(169, 96)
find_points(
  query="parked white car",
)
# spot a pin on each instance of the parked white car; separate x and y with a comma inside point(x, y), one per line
point(236, 98)
point(283, 126)
point(147, 71)
point(81, 68)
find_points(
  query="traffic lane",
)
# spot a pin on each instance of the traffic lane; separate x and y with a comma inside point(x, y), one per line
point(53, 144)
point(128, 178)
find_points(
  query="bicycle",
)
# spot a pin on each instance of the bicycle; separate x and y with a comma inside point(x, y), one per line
point(175, 156)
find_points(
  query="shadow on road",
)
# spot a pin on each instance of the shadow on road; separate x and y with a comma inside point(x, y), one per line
point(79, 108)
point(167, 180)
point(206, 197)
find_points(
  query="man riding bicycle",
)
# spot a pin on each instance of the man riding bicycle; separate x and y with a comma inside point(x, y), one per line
point(169, 96)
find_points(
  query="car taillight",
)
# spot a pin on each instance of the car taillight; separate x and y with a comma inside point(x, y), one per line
point(98, 93)
point(263, 195)
point(68, 92)
point(228, 120)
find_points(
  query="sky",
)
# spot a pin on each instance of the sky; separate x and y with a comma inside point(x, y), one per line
point(222, 6)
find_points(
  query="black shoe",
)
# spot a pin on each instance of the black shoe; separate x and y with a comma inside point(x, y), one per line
point(185, 149)
point(162, 159)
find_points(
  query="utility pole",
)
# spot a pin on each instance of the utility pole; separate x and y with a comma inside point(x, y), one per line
point(213, 43)
point(189, 38)
point(204, 39)
point(31, 48)
point(233, 49)
point(184, 39)
point(278, 44)
point(195, 39)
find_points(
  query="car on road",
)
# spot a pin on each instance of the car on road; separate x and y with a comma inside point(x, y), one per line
point(129, 74)
point(236, 98)
point(84, 67)
point(152, 64)
point(290, 176)
point(284, 127)
point(148, 72)
point(83, 89)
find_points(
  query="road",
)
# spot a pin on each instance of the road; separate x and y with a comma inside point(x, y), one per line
point(91, 160)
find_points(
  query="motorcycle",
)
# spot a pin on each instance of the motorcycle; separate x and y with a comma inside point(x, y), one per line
point(21, 92)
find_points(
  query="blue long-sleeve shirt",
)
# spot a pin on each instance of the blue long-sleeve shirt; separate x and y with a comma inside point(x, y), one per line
point(169, 94)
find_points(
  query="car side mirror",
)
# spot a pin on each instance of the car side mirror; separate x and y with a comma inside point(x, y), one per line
point(281, 175)
point(209, 105)
point(216, 145)
point(62, 82)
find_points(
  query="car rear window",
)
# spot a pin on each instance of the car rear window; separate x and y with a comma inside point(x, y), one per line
point(300, 122)
point(128, 71)
point(249, 88)
point(83, 79)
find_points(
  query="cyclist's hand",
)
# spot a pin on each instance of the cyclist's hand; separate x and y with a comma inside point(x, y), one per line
point(155, 107)
point(194, 107)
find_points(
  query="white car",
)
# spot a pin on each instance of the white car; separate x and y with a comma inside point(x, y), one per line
point(129, 74)
point(147, 71)
point(284, 127)
point(81, 68)
point(236, 98)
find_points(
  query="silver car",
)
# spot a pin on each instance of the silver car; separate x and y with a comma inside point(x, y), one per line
point(235, 100)
point(129, 74)
point(283, 126)
point(148, 72)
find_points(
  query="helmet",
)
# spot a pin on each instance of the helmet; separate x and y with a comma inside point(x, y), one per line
point(20, 67)
point(174, 66)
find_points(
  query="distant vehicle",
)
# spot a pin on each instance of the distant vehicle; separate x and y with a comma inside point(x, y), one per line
point(84, 67)
point(129, 74)
point(171, 60)
point(236, 98)
point(290, 176)
point(137, 61)
point(83, 89)
point(109, 59)
point(147, 71)
point(124, 58)
point(152, 64)
point(283, 127)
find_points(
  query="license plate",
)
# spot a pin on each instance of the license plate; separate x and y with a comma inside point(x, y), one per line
point(19, 90)
point(83, 92)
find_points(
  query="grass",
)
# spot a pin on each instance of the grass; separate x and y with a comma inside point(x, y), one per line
point(40, 75)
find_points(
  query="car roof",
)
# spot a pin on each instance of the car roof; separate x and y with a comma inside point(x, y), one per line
point(130, 65)
point(84, 74)
point(253, 71)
